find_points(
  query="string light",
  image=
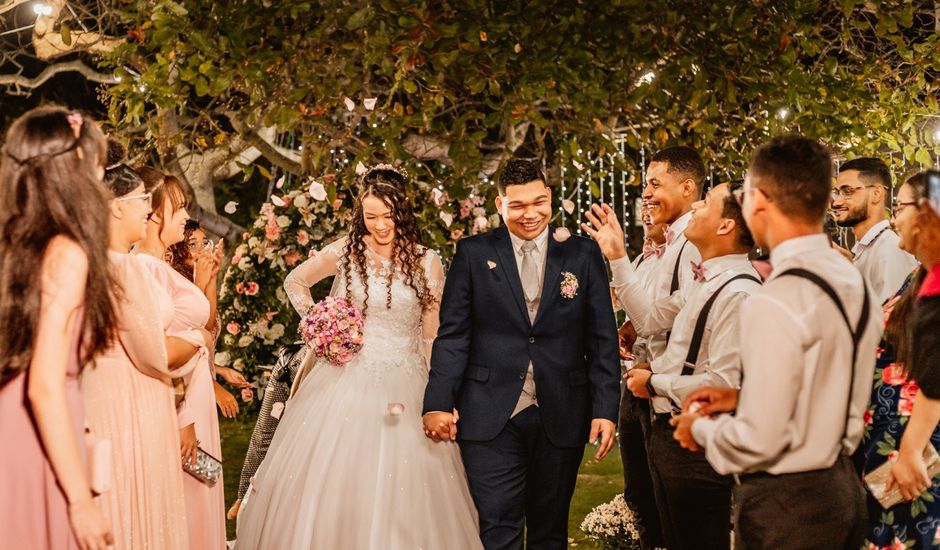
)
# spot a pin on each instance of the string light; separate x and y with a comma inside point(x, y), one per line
point(42, 9)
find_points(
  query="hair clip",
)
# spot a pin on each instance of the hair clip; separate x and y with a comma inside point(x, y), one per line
point(75, 122)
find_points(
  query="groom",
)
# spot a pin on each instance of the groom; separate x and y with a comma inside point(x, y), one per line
point(527, 353)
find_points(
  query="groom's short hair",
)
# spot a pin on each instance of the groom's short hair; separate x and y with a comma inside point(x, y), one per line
point(519, 172)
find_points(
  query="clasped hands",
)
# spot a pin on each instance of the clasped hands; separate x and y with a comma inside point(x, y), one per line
point(701, 403)
point(440, 426)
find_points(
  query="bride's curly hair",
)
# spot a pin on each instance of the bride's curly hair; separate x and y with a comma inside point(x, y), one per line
point(389, 186)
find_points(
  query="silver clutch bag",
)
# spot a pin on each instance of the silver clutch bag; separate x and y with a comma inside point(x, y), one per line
point(206, 469)
point(877, 479)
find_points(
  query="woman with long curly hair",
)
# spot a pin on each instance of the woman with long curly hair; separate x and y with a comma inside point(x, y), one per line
point(56, 315)
point(349, 465)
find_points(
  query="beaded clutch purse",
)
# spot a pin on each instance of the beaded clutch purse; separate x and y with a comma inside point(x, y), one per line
point(206, 469)
point(877, 479)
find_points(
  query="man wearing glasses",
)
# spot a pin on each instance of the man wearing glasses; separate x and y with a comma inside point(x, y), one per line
point(859, 201)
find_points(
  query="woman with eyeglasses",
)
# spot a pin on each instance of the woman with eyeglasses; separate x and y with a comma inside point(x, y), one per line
point(129, 397)
point(56, 315)
point(198, 421)
point(198, 255)
point(897, 400)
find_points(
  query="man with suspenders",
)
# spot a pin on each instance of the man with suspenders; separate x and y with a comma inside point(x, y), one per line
point(694, 500)
point(860, 202)
point(808, 340)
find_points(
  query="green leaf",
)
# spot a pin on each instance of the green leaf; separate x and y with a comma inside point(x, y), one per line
point(360, 19)
point(66, 35)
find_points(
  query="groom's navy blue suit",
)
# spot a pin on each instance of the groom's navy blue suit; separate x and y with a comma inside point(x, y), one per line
point(522, 470)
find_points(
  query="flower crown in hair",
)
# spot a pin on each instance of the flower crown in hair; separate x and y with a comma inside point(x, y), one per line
point(363, 170)
point(76, 121)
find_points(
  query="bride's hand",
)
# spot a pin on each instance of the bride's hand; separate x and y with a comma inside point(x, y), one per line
point(440, 425)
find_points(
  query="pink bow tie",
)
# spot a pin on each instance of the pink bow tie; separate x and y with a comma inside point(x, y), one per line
point(653, 250)
point(699, 271)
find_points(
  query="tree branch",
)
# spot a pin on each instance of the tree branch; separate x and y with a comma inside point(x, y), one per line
point(50, 71)
point(283, 158)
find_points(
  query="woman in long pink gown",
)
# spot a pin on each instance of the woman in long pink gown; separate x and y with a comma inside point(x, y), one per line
point(129, 397)
point(205, 506)
point(56, 313)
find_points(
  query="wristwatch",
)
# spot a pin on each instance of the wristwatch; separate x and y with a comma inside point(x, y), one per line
point(649, 386)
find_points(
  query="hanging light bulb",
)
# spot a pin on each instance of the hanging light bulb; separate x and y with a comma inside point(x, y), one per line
point(42, 9)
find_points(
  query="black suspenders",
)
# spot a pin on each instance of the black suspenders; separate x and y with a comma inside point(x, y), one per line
point(674, 285)
point(856, 332)
point(695, 345)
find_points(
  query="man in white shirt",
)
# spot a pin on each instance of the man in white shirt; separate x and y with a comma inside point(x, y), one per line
point(703, 350)
point(674, 181)
point(635, 413)
point(808, 340)
point(860, 201)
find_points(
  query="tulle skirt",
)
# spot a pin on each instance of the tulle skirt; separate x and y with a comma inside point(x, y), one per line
point(345, 472)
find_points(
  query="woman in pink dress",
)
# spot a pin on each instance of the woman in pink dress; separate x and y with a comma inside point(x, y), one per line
point(198, 421)
point(129, 397)
point(56, 314)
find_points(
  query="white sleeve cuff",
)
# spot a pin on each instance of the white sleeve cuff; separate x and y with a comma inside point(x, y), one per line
point(622, 271)
point(702, 430)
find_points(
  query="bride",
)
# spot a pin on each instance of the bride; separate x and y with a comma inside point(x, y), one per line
point(349, 466)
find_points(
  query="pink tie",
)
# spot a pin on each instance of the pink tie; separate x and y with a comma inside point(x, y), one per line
point(653, 250)
point(699, 271)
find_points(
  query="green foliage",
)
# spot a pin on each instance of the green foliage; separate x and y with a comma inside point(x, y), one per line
point(459, 87)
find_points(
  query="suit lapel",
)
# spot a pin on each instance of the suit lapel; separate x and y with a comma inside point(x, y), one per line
point(553, 266)
point(507, 262)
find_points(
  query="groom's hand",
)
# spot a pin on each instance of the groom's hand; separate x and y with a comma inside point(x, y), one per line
point(606, 231)
point(440, 425)
point(606, 431)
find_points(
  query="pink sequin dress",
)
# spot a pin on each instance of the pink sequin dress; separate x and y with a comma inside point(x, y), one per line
point(129, 401)
point(33, 509)
point(205, 506)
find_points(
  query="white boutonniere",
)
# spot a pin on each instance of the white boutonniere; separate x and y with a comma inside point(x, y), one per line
point(569, 285)
point(491, 264)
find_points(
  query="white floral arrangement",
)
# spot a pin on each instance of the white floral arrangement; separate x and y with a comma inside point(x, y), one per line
point(613, 525)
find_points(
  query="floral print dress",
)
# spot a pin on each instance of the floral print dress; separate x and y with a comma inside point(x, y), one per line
point(908, 524)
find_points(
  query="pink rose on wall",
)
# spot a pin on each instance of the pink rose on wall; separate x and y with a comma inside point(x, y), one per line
point(302, 238)
point(292, 257)
point(239, 286)
point(252, 288)
point(233, 328)
point(905, 407)
point(909, 390)
point(272, 232)
point(236, 259)
point(247, 394)
point(892, 375)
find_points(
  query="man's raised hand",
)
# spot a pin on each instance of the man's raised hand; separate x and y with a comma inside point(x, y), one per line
point(604, 227)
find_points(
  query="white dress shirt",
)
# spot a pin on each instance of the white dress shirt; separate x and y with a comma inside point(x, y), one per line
point(718, 362)
point(629, 286)
point(883, 264)
point(795, 352)
point(528, 396)
point(646, 345)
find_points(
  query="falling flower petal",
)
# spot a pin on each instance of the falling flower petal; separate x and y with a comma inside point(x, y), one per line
point(279, 183)
point(437, 196)
point(568, 205)
point(395, 409)
point(369, 104)
point(361, 168)
point(277, 409)
point(230, 207)
point(447, 217)
point(491, 264)
point(317, 191)
point(277, 201)
point(577, 165)
point(562, 234)
point(350, 104)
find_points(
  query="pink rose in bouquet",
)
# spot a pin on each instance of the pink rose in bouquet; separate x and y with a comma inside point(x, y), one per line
point(333, 330)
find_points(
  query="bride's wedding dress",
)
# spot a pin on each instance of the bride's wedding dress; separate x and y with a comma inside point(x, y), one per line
point(343, 471)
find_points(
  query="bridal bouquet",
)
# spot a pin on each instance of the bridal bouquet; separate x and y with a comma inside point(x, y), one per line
point(613, 525)
point(333, 330)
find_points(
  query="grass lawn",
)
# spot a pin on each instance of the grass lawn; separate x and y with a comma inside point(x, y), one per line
point(597, 483)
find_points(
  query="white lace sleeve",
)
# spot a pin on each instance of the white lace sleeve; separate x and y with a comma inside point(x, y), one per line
point(430, 317)
point(319, 266)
